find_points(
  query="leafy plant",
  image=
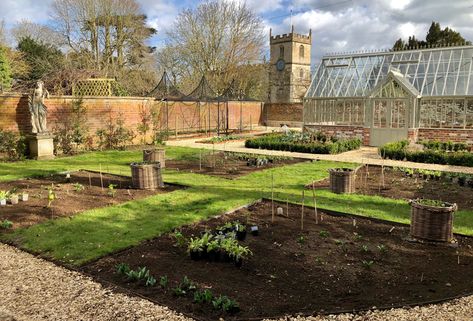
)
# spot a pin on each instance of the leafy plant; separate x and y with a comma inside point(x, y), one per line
point(163, 281)
point(239, 252)
point(357, 237)
point(6, 224)
point(324, 234)
point(111, 190)
point(51, 195)
point(4, 195)
point(300, 240)
point(364, 248)
point(225, 303)
point(367, 264)
point(150, 281)
point(180, 239)
point(123, 268)
point(319, 260)
point(382, 248)
point(178, 291)
point(195, 245)
point(204, 296)
point(13, 145)
point(78, 187)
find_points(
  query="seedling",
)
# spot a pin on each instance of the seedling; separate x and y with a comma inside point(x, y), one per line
point(324, 234)
point(179, 238)
point(357, 237)
point(111, 190)
point(364, 248)
point(78, 187)
point(178, 291)
point(205, 296)
point(300, 240)
point(163, 281)
point(187, 285)
point(367, 264)
point(225, 303)
point(319, 260)
point(6, 224)
point(51, 195)
point(123, 268)
point(382, 248)
point(150, 281)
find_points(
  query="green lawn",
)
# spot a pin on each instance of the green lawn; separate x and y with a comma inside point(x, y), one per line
point(94, 233)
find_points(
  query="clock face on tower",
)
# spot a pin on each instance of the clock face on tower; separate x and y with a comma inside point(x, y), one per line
point(280, 64)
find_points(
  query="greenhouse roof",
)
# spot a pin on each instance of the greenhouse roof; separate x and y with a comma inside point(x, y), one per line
point(443, 71)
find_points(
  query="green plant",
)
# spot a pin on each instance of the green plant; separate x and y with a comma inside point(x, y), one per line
point(204, 296)
point(13, 145)
point(178, 291)
point(367, 264)
point(187, 285)
point(111, 190)
point(324, 234)
point(78, 187)
point(195, 245)
point(382, 248)
point(115, 135)
point(429, 202)
point(163, 281)
point(239, 252)
point(364, 248)
point(4, 195)
point(357, 236)
point(150, 281)
point(180, 239)
point(123, 268)
point(213, 245)
point(319, 260)
point(51, 195)
point(225, 303)
point(300, 240)
point(6, 224)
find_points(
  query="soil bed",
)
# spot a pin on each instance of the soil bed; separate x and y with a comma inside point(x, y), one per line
point(324, 268)
point(69, 199)
point(398, 185)
point(229, 165)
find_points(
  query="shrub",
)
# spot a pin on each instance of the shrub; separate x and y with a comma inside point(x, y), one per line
point(13, 145)
point(445, 146)
point(303, 143)
point(115, 135)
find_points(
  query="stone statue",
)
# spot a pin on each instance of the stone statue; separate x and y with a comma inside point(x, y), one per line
point(38, 109)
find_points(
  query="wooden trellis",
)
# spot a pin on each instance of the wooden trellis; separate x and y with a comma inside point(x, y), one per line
point(104, 87)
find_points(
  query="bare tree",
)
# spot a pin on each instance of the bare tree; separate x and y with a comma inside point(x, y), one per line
point(37, 32)
point(215, 40)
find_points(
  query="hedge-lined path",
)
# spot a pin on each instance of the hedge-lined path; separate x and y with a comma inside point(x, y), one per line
point(364, 155)
point(35, 289)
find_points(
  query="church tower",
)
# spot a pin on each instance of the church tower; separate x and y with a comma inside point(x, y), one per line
point(289, 75)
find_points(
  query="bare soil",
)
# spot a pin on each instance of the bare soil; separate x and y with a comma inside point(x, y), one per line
point(226, 165)
point(327, 267)
point(398, 185)
point(69, 200)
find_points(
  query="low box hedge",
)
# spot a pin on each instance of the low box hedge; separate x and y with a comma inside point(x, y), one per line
point(399, 151)
point(281, 142)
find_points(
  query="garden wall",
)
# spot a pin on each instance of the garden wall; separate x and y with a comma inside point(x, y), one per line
point(445, 134)
point(338, 131)
point(278, 114)
point(185, 116)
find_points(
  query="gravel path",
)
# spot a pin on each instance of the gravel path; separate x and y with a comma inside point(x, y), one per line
point(364, 155)
point(35, 289)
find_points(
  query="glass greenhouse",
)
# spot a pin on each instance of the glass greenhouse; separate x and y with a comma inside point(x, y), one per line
point(393, 95)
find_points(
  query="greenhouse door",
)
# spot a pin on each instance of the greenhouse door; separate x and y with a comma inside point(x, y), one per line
point(389, 120)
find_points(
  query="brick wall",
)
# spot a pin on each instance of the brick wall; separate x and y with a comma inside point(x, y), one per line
point(186, 116)
point(444, 134)
point(289, 114)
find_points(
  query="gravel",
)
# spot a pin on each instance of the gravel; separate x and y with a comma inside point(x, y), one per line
point(35, 289)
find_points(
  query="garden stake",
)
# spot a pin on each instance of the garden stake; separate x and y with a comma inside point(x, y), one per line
point(421, 277)
point(287, 207)
point(101, 178)
point(315, 203)
point(302, 212)
point(90, 181)
point(200, 160)
point(272, 197)
point(392, 229)
point(354, 222)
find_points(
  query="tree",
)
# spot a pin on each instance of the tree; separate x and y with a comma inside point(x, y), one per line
point(42, 58)
point(215, 40)
point(5, 71)
point(435, 37)
point(37, 32)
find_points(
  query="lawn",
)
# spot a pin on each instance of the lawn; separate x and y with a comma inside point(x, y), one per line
point(94, 233)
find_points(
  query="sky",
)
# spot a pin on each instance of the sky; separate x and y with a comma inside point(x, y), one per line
point(337, 25)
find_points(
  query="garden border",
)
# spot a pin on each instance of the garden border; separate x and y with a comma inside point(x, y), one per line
point(119, 288)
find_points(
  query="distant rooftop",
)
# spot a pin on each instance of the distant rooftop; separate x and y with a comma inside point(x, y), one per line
point(445, 71)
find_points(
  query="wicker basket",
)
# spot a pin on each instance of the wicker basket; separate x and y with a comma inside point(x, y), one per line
point(154, 156)
point(432, 223)
point(342, 180)
point(146, 176)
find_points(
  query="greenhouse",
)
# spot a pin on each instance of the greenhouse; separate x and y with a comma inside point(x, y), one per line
point(386, 96)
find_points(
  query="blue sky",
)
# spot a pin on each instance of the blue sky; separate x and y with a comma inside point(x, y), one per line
point(337, 25)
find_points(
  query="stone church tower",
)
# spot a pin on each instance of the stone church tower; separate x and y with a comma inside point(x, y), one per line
point(289, 75)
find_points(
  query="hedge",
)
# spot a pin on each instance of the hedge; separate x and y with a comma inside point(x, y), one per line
point(279, 142)
point(399, 151)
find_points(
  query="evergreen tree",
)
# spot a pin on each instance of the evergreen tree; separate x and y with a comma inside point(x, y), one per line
point(5, 71)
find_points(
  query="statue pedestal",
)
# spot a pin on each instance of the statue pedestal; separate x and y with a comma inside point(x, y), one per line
point(41, 146)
